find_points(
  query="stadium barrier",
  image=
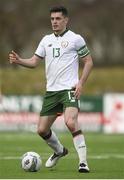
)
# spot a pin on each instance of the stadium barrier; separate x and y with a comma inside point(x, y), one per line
point(97, 113)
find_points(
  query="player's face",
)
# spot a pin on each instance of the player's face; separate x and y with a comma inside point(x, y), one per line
point(59, 22)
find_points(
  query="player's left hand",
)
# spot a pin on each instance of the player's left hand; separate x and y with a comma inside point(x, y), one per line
point(78, 90)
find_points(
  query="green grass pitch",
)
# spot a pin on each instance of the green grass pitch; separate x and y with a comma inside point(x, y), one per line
point(105, 156)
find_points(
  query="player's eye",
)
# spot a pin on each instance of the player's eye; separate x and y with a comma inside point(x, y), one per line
point(58, 18)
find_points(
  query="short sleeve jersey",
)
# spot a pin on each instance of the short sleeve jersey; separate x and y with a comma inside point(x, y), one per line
point(61, 55)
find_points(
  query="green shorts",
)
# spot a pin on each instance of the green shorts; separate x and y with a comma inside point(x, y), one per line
point(56, 102)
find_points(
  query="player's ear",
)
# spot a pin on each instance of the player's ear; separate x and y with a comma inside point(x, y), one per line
point(66, 19)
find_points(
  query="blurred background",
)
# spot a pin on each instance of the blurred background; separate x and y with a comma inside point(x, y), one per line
point(23, 23)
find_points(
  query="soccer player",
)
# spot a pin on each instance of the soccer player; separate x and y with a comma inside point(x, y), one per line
point(61, 51)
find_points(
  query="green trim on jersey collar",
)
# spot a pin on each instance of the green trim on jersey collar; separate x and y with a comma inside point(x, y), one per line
point(57, 35)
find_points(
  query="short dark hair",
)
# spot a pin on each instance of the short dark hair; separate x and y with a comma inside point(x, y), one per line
point(59, 9)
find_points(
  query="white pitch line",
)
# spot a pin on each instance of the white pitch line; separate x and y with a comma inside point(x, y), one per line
point(9, 157)
point(116, 156)
point(72, 156)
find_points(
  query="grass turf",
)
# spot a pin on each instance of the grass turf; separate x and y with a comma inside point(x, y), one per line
point(105, 157)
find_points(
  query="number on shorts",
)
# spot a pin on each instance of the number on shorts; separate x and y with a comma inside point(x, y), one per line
point(71, 96)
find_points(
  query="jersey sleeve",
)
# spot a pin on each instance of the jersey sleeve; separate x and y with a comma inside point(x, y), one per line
point(81, 47)
point(40, 51)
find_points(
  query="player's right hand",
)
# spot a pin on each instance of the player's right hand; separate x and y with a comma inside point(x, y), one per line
point(13, 57)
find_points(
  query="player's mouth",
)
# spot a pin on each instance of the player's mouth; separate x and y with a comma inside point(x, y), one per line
point(55, 26)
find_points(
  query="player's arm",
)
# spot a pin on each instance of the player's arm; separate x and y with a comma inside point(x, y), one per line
point(88, 64)
point(30, 63)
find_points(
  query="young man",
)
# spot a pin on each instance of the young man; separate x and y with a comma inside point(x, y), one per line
point(61, 51)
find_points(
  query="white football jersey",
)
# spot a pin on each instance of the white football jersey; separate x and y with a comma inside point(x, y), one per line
point(61, 59)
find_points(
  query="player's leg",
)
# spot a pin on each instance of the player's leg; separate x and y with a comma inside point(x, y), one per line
point(71, 116)
point(47, 117)
point(44, 125)
point(44, 130)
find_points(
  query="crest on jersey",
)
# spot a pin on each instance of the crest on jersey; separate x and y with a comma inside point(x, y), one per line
point(64, 44)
